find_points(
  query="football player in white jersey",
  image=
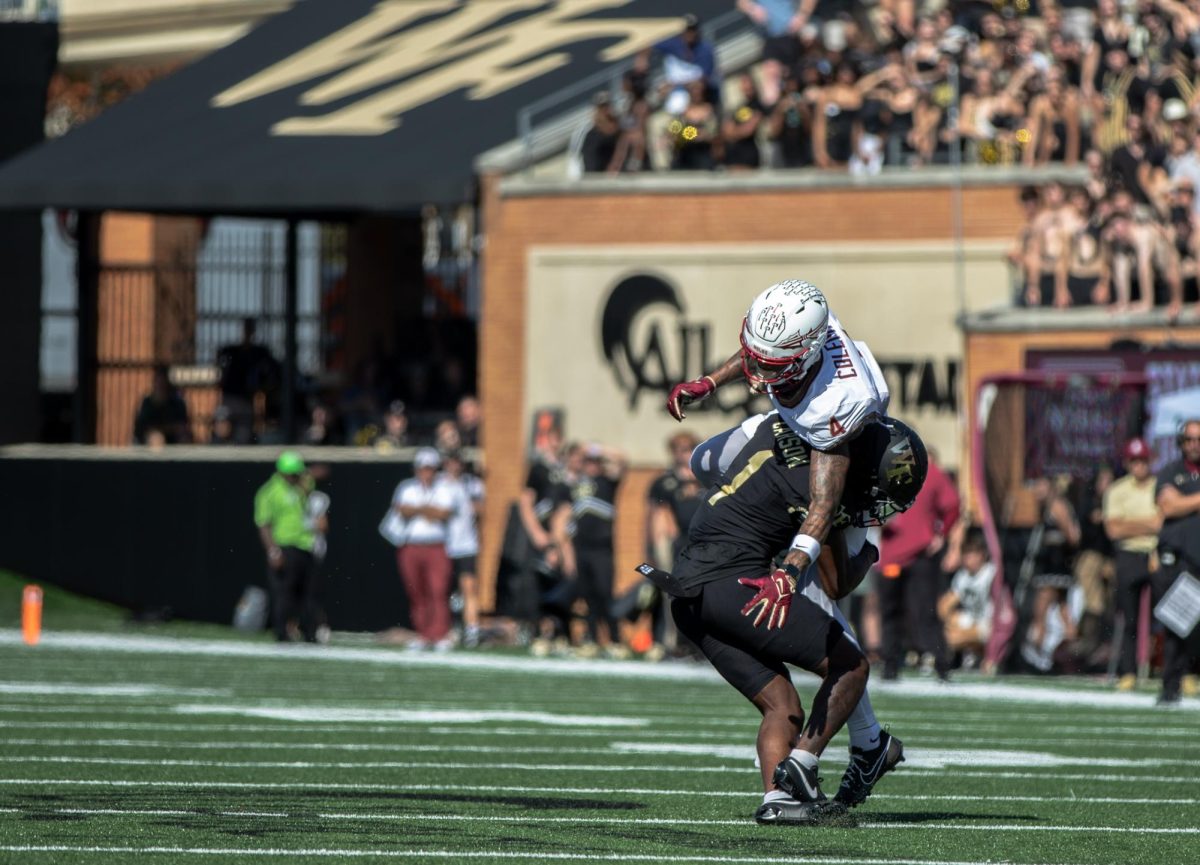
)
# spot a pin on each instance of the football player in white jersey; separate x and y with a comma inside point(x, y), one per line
point(826, 387)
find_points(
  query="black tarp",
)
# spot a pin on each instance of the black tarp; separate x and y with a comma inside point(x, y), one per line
point(338, 106)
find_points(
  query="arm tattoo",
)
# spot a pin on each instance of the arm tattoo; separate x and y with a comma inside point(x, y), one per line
point(728, 371)
point(827, 479)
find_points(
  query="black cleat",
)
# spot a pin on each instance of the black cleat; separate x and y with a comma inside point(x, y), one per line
point(867, 767)
point(789, 812)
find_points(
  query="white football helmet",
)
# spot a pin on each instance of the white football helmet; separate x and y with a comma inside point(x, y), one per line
point(783, 333)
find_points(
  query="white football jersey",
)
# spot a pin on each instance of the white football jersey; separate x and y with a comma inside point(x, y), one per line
point(848, 391)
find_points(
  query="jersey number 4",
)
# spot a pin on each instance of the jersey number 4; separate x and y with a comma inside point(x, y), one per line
point(835, 428)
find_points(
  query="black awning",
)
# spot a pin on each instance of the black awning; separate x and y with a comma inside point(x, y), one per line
point(338, 106)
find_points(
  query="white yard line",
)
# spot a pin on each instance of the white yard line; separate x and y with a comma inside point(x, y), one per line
point(732, 765)
point(982, 747)
point(591, 791)
point(994, 691)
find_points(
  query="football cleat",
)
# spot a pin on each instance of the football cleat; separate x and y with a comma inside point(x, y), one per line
point(790, 812)
point(867, 767)
point(799, 782)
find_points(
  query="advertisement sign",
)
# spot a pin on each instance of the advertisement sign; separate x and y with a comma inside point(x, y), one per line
point(609, 331)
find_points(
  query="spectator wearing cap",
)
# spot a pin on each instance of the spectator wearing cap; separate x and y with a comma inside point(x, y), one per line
point(582, 525)
point(426, 504)
point(1132, 522)
point(288, 536)
point(687, 58)
point(395, 429)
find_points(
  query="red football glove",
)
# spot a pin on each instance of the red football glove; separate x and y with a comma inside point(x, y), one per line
point(773, 600)
point(687, 392)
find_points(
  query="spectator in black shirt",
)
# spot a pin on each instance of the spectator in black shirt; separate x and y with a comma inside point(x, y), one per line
point(588, 551)
point(247, 369)
point(162, 410)
point(1139, 165)
point(600, 143)
point(790, 126)
point(740, 128)
point(1178, 498)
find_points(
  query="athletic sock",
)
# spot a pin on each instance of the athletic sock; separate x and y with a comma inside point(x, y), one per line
point(774, 795)
point(807, 759)
point(864, 729)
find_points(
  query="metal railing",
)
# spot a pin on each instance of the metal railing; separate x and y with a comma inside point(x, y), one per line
point(566, 100)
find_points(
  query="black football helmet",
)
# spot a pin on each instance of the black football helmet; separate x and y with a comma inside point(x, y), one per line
point(888, 464)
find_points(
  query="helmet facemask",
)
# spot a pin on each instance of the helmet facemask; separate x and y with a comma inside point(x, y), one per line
point(770, 375)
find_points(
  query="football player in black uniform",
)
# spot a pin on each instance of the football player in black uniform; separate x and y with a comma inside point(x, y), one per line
point(748, 616)
point(1178, 499)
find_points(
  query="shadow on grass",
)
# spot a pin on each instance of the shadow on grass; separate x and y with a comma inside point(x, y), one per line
point(940, 817)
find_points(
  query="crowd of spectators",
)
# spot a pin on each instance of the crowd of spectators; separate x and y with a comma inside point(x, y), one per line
point(905, 82)
point(1101, 556)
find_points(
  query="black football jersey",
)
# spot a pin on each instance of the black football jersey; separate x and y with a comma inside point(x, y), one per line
point(755, 510)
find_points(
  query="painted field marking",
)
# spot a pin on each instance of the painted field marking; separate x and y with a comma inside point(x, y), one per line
point(160, 646)
point(925, 753)
point(604, 821)
point(913, 772)
point(591, 791)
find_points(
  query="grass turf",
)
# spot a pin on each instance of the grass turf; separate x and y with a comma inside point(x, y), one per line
point(165, 749)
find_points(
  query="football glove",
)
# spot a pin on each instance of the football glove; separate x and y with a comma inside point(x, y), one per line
point(773, 600)
point(688, 392)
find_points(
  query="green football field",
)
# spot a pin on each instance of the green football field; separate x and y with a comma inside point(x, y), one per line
point(146, 748)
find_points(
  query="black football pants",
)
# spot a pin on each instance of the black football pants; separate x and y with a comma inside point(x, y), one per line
point(294, 592)
point(911, 598)
point(594, 573)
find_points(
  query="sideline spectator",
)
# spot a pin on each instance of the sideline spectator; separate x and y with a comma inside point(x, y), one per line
point(966, 608)
point(583, 528)
point(468, 416)
point(247, 370)
point(288, 536)
point(1132, 521)
point(1178, 499)
point(462, 540)
point(395, 429)
point(674, 498)
point(426, 505)
point(222, 427)
point(322, 428)
point(162, 411)
point(909, 574)
point(1057, 601)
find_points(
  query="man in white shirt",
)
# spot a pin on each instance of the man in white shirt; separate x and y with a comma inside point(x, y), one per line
point(426, 505)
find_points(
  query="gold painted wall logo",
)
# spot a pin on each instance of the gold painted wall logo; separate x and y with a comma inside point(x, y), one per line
point(484, 47)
